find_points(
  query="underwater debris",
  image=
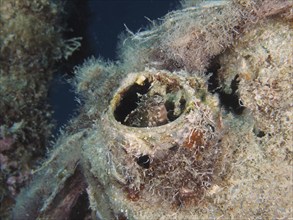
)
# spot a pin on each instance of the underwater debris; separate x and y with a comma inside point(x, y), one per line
point(171, 163)
point(151, 142)
point(190, 38)
point(264, 69)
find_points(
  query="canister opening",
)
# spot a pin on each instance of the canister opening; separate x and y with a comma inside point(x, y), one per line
point(151, 101)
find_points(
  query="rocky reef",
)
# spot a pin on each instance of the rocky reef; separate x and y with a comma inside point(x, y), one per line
point(31, 43)
point(193, 122)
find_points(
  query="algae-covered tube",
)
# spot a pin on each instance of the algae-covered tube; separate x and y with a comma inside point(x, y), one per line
point(158, 144)
point(155, 137)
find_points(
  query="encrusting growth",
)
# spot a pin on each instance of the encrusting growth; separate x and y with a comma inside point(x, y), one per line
point(152, 142)
point(190, 38)
point(31, 43)
point(171, 163)
point(264, 71)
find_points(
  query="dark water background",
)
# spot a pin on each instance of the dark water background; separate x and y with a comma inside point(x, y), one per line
point(99, 23)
